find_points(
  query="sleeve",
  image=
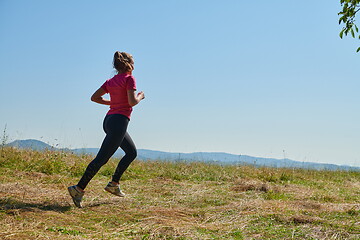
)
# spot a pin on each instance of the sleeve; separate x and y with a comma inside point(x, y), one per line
point(104, 86)
point(130, 83)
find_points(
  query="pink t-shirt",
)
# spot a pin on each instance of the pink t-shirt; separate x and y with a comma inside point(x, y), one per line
point(117, 88)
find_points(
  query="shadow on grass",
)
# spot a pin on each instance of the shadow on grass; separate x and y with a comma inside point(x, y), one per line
point(99, 203)
point(9, 204)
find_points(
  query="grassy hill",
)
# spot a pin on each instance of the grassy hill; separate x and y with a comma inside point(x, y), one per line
point(168, 200)
point(207, 157)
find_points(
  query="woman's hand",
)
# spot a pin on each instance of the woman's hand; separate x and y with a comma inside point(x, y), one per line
point(134, 98)
point(141, 95)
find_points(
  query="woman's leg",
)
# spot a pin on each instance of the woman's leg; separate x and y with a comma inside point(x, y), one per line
point(130, 154)
point(115, 127)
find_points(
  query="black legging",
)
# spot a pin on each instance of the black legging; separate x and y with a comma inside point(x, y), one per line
point(115, 126)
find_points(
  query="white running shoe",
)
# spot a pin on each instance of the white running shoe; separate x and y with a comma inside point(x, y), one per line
point(114, 189)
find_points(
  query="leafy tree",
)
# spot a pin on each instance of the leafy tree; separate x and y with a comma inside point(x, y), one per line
point(347, 16)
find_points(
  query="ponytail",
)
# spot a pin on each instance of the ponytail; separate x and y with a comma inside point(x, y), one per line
point(123, 62)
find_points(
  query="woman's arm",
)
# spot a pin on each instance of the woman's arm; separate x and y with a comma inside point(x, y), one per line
point(97, 97)
point(134, 98)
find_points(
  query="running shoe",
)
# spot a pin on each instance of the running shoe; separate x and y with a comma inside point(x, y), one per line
point(76, 195)
point(114, 189)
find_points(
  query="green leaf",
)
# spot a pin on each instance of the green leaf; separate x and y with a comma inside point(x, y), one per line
point(343, 19)
point(356, 28)
point(352, 33)
point(358, 49)
point(346, 31)
point(342, 33)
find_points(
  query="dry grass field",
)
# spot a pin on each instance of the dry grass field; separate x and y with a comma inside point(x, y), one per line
point(174, 201)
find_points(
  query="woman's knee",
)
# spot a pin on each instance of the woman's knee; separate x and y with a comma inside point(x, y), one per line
point(131, 153)
point(98, 162)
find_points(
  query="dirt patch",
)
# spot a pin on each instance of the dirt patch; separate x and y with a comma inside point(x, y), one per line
point(308, 205)
point(250, 186)
point(302, 219)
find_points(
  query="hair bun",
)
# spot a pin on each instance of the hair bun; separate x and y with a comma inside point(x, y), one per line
point(123, 62)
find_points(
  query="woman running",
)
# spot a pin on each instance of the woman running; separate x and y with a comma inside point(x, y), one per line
point(123, 96)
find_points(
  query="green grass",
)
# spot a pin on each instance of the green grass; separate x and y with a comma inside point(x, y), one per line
point(167, 200)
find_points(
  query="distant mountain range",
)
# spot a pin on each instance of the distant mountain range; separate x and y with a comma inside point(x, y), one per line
point(209, 157)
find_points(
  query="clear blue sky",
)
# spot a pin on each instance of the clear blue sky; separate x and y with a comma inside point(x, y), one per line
point(265, 78)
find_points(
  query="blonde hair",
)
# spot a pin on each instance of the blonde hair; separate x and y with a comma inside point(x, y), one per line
point(123, 62)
